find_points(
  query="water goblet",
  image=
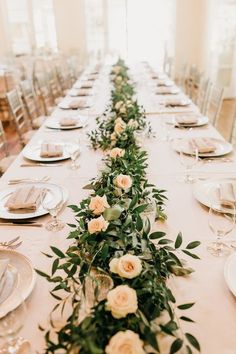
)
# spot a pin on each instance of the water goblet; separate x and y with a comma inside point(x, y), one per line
point(73, 149)
point(221, 221)
point(53, 204)
point(10, 326)
point(188, 160)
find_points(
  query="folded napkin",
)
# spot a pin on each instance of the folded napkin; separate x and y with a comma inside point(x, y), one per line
point(204, 145)
point(92, 77)
point(75, 104)
point(178, 102)
point(68, 122)
point(164, 90)
point(8, 279)
point(25, 198)
point(87, 84)
point(227, 193)
point(51, 150)
point(83, 92)
point(165, 83)
point(186, 120)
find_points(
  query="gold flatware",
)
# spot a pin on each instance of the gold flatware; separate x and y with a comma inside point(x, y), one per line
point(8, 243)
point(25, 180)
point(40, 164)
point(36, 224)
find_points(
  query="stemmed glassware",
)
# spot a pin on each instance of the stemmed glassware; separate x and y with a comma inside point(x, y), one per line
point(221, 221)
point(188, 161)
point(73, 149)
point(10, 326)
point(53, 205)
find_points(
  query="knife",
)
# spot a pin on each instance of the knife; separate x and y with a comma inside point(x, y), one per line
point(16, 223)
point(40, 164)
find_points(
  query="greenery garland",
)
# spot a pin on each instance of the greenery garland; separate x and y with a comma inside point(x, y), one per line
point(115, 271)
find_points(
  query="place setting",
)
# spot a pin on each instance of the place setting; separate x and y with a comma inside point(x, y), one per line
point(74, 92)
point(68, 122)
point(74, 103)
point(187, 121)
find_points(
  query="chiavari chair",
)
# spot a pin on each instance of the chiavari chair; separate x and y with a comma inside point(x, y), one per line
point(232, 138)
point(203, 94)
point(21, 120)
point(6, 159)
point(214, 103)
point(43, 92)
point(54, 86)
point(30, 102)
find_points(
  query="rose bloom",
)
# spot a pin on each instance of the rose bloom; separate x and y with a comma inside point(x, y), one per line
point(119, 128)
point(119, 79)
point(123, 110)
point(121, 301)
point(98, 204)
point(97, 225)
point(133, 123)
point(123, 181)
point(118, 105)
point(113, 136)
point(127, 266)
point(116, 152)
point(125, 342)
point(119, 120)
point(116, 69)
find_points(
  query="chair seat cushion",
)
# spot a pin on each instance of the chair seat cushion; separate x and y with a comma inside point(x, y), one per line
point(27, 136)
point(6, 162)
point(37, 122)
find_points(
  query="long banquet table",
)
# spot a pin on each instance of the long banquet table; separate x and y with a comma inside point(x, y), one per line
point(215, 308)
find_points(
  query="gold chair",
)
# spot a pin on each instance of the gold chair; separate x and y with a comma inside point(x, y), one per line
point(6, 159)
point(30, 103)
point(203, 94)
point(20, 118)
point(214, 104)
point(42, 90)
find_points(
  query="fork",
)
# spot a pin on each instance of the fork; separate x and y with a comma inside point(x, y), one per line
point(22, 180)
point(12, 244)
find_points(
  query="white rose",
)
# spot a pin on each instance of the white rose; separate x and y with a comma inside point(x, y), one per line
point(98, 204)
point(116, 69)
point(125, 342)
point(127, 266)
point(121, 301)
point(97, 225)
point(123, 181)
point(113, 136)
point(119, 79)
point(133, 123)
point(119, 127)
point(119, 120)
point(123, 110)
point(118, 105)
point(116, 152)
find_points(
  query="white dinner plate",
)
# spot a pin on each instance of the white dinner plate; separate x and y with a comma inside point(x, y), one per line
point(178, 102)
point(54, 123)
point(173, 90)
point(222, 147)
point(75, 93)
point(24, 284)
point(230, 273)
point(206, 192)
point(33, 153)
point(23, 214)
point(200, 122)
point(65, 104)
point(165, 82)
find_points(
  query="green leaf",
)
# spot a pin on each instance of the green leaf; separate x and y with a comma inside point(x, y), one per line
point(179, 240)
point(155, 235)
point(186, 306)
point(112, 213)
point(193, 341)
point(42, 273)
point(193, 244)
point(187, 319)
point(176, 346)
point(55, 266)
point(139, 209)
point(58, 252)
point(139, 223)
point(191, 254)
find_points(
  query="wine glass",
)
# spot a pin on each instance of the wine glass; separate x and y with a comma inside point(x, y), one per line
point(167, 126)
point(10, 326)
point(73, 149)
point(188, 161)
point(53, 204)
point(221, 221)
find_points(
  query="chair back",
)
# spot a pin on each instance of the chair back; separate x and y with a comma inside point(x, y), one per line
point(214, 103)
point(42, 89)
point(3, 142)
point(18, 113)
point(203, 94)
point(29, 99)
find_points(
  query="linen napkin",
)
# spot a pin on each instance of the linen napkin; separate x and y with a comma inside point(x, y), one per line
point(9, 279)
point(51, 150)
point(83, 92)
point(165, 83)
point(227, 193)
point(75, 104)
point(186, 120)
point(178, 102)
point(27, 197)
point(86, 85)
point(68, 122)
point(3, 267)
point(165, 90)
point(204, 145)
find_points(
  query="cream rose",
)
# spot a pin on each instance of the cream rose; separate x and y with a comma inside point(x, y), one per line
point(123, 181)
point(119, 79)
point(133, 123)
point(125, 342)
point(97, 225)
point(119, 127)
point(121, 301)
point(127, 266)
point(98, 204)
point(116, 69)
point(113, 136)
point(119, 120)
point(123, 110)
point(116, 152)
point(118, 105)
